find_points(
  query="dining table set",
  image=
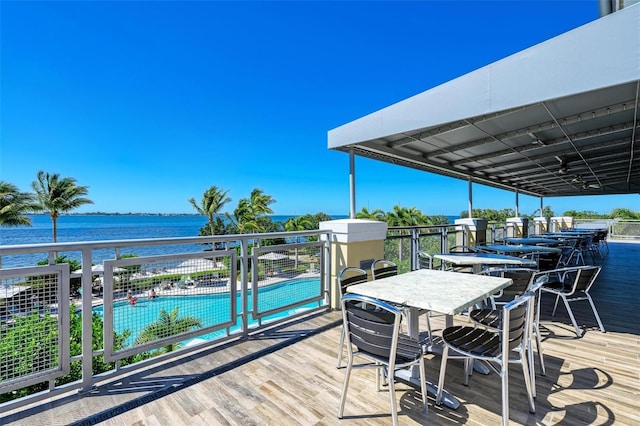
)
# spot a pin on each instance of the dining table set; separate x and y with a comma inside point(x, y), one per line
point(445, 291)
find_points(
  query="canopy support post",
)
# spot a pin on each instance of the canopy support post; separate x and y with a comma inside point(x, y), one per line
point(352, 184)
point(470, 214)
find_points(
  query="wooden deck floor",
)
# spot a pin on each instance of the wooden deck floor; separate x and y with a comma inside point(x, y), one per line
point(288, 376)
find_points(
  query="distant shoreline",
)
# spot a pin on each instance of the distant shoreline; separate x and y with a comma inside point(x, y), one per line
point(118, 214)
point(162, 214)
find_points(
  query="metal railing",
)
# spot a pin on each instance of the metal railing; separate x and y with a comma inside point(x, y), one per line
point(404, 242)
point(154, 299)
point(619, 229)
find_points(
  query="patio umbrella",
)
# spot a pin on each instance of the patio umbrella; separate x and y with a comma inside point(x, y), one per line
point(99, 270)
point(272, 257)
point(195, 265)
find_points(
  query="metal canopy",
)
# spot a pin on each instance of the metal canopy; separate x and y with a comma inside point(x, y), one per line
point(560, 118)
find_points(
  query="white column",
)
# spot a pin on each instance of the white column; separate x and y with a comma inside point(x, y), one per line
point(354, 242)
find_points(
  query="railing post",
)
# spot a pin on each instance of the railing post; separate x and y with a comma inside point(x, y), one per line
point(87, 321)
point(327, 268)
point(444, 239)
point(415, 244)
point(244, 285)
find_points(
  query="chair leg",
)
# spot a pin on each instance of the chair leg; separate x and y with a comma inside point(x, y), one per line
point(504, 376)
point(443, 367)
point(528, 383)
point(423, 387)
point(392, 397)
point(536, 328)
point(380, 373)
point(532, 369)
point(543, 370)
point(555, 306)
point(595, 312)
point(341, 348)
point(573, 319)
point(347, 375)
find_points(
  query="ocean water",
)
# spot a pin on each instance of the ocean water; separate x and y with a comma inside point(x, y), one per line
point(105, 227)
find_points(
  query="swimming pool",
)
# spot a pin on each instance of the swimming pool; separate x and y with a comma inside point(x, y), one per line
point(211, 309)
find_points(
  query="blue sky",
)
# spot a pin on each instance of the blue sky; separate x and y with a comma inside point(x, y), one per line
point(150, 103)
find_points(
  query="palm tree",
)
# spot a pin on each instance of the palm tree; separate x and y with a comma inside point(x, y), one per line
point(251, 212)
point(212, 202)
point(298, 223)
point(168, 324)
point(14, 205)
point(58, 195)
point(376, 214)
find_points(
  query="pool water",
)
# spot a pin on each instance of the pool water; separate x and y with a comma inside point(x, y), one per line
point(211, 309)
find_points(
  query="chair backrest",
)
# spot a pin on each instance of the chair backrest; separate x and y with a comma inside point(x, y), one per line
point(522, 281)
point(585, 277)
point(517, 317)
point(349, 276)
point(383, 268)
point(373, 326)
point(568, 250)
point(463, 249)
point(425, 260)
point(548, 261)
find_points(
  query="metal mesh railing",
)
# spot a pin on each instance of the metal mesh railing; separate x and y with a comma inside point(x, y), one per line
point(156, 303)
point(34, 326)
point(286, 276)
point(130, 308)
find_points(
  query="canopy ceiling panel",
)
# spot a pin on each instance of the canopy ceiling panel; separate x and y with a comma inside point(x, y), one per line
point(560, 118)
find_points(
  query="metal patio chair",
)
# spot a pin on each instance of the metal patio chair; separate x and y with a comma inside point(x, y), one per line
point(492, 318)
point(383, 268)
point(471, 343)
point(574, 285)
point(373, 327)
point(347, 277)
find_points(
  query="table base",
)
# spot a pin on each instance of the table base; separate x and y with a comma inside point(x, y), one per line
point(447, 398)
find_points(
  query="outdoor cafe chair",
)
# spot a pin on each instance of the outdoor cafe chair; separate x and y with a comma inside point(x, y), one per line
point(495, 348)
point(373, 327)
point(347, 277)
point(548, 260)
point(523, 281)
point(427, 261)
point(602, 239)
point(574, 285)
point(383, 268)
